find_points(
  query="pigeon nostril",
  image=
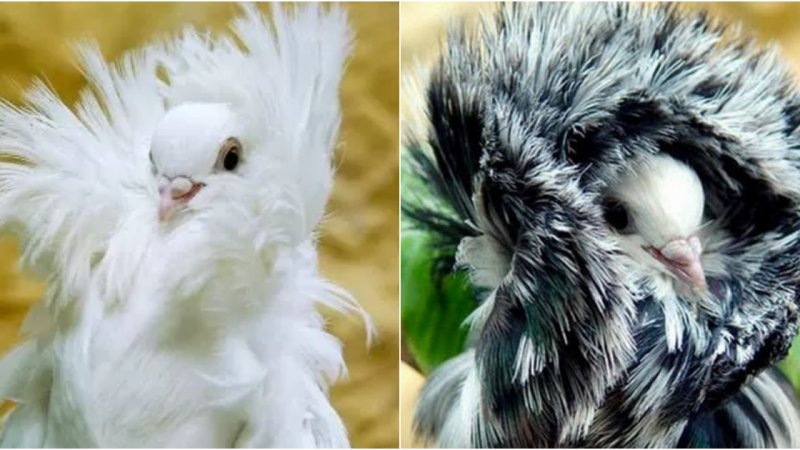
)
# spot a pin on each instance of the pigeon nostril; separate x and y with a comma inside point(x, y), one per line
point(697, 247)
point(683, 249)
point(180, 187)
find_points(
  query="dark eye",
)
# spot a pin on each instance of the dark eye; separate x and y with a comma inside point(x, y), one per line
point(230, 154)
point(616, 215)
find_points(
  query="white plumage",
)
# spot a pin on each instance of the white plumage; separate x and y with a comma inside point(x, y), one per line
point(182, 287)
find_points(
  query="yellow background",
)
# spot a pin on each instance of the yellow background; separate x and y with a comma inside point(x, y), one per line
point(423, 26)
point(360, 239)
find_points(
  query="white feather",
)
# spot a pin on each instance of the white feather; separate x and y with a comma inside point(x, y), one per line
point(201, 331)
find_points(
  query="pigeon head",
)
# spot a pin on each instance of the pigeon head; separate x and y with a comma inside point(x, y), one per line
point(196, 146)
point(656, 211)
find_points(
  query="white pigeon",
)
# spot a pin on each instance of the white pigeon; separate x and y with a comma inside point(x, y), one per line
point(656, 210)
point(173, 217)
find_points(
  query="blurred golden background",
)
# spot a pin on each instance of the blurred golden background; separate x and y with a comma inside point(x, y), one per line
point(360, 241)
point(423, 26)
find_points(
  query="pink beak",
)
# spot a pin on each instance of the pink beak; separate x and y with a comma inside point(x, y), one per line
point(682, 256)
point(174, 193)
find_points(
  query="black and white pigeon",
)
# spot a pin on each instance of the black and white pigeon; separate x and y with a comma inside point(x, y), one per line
point(622, 183)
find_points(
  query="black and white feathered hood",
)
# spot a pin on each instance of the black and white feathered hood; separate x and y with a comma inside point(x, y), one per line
point(530, 116)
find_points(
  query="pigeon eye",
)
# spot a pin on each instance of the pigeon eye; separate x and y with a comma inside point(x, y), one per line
point(230, 154)
point(616, 215)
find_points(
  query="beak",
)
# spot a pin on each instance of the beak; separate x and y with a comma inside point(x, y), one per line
point(174, 193)
point(681, 257)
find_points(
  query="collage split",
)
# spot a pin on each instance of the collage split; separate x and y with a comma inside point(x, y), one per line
point(400, 225)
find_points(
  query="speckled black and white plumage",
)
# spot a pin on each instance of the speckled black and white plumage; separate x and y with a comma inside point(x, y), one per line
point(529, 116)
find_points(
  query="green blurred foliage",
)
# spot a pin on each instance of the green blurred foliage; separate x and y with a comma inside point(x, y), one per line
point(791, 365)
point(433, 308)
